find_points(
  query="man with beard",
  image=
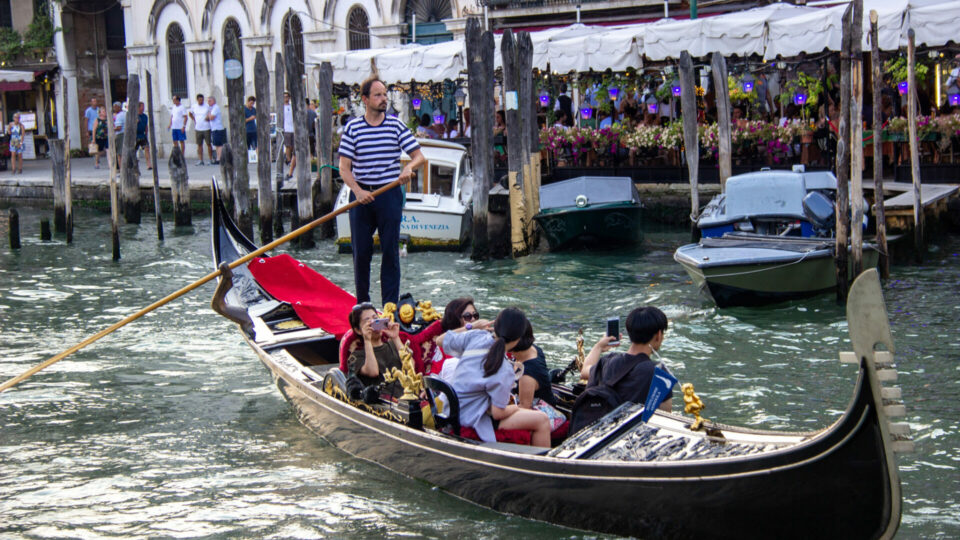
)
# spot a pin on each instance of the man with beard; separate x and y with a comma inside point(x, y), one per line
point(370, 150)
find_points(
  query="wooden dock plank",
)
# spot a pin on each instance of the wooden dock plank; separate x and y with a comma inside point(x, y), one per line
point(929, 194)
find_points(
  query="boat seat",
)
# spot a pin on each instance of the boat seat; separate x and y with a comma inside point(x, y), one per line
point(345, 342)
point(450, 422)
point(421, 345)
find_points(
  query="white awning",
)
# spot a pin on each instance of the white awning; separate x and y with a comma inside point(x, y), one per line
point(9, 75)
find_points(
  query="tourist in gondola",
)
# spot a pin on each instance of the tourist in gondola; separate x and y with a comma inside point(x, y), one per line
point(534, 390)
point(460, 313)
point(484, 379)
point(374, 355)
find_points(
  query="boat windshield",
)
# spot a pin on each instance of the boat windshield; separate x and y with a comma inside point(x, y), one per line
point(441, 179)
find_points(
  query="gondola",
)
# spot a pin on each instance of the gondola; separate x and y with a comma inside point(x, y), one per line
point(657, 479)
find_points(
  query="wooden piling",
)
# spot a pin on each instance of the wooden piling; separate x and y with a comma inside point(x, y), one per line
point(480, 86)
point(879, 213)
point(856, 137)
point(261, 84)
point(14, 229)
point(68, 179)
point(718, 67)
point(227, 168)
point(918, 240)
point(528, 124)
point(129, 168)
point(152, 148)
point(301, 141)
point(688, 102)
point(179, 188)
point(515, 137)
point(112, 160)
point(843, 162)
point(325, 146)
point(58, 166)
point(238, 140)
point(279, 85)
point(45, 230)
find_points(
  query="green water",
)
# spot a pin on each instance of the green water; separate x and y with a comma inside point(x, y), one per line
point(172, 428)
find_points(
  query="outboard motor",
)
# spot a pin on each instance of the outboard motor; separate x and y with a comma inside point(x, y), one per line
point(820, 210)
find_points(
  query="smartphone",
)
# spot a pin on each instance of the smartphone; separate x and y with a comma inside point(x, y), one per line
point(613, 329)
point(380, 324)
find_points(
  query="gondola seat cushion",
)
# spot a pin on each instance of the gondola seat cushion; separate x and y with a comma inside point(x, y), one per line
point(318, 301)
point(515, 436)
point(347, 346)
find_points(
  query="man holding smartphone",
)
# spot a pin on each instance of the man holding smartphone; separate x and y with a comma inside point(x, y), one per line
point(620, 377)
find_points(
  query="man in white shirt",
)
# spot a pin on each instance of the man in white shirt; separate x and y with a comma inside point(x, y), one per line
point(288, 133)
point(217, 133)
point(178, 123)
point(202, 126)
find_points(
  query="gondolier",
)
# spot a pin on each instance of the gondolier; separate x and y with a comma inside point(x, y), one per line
point(370, 149)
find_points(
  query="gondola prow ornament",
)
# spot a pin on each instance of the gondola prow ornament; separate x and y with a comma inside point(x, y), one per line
point(692, 405)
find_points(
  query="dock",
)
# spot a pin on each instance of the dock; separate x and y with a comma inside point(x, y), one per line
point(898, 207)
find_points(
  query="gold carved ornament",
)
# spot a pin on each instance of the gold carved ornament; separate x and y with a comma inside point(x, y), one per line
point(389, 310)
point(692, 405)
point(427, 311)
point(410, 380)
point(407, 314)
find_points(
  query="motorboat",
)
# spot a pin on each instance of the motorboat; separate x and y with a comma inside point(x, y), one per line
point(768, 238)
point(592, 211)
point(436, 213)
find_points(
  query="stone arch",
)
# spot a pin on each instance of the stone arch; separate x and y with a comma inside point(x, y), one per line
point(210, 8)
point(266, 12)
point(358, 28)
point(157, 9)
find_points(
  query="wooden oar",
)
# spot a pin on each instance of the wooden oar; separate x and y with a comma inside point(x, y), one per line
point(173, 296)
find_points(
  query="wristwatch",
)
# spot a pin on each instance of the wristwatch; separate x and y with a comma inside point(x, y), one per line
point(469, 326)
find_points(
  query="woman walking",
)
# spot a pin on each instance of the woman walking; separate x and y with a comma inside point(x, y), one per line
point(15, 130)
point(100, 135)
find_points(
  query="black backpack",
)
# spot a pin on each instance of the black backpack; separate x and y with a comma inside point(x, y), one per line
point(595, 402)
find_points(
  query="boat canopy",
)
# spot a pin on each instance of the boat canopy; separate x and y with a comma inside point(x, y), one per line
point(596, 189)
point(771, 193)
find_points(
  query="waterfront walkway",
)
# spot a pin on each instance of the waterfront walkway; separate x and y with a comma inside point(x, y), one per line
point(89, 183)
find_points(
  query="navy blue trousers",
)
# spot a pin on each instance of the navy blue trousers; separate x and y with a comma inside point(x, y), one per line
point(383, 215)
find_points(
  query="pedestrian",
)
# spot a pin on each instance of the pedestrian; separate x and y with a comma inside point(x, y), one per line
point(100, 133)
point(250, 113)
point(178, 124)
point(217, 133)
point(288, 133)
point(201, 125)
point(91, 115)
point(119, 120)
point(311, 126)
point(370, 150)
point(142, 135)
point(16, 132)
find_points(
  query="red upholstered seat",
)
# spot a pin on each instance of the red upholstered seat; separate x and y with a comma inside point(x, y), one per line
point(348, 338)
point(515, 436)
point(561, 432)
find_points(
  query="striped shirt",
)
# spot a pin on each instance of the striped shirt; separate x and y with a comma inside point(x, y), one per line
point(375, 150)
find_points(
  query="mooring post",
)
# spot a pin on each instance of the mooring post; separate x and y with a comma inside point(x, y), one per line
point(718, 67)
point(918, 240)
point(301, 141)
point(325, 146)
point(59, 184)
point(261, 85)
point(112, 160)
point(67, 179)
point(179, 187)
point(152, 148)
point(843, 162)
point(878, 196)
point(278, 74)
point(688, 102)
point(14, 229)
point(528, 123)
point(227, 169)
point(238, 135)
point(129, 166)
point(45, 230)
point(480, 87)
point(515, 136)
point(856, 137)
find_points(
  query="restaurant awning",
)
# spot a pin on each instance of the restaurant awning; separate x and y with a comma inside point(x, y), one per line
point(12, 80)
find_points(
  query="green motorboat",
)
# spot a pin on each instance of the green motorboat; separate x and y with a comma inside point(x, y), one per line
point(590, 211)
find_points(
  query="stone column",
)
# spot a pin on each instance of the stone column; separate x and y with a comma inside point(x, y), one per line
point(66, 58)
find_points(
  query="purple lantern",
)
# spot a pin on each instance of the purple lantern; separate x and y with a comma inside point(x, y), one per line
point(544, 100)
point(652, 107)
point(953, 96)
point(438, 118)
point(747, 83)
point(586, 113)
point(613, 93)
point(676, 90)
point(799, 99)
point(903, 88)
point(416, 103)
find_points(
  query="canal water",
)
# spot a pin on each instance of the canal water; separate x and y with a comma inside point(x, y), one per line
point(170, 427)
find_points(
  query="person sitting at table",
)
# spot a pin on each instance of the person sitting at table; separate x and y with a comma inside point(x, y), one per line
point(374, 355)
point(484, 379)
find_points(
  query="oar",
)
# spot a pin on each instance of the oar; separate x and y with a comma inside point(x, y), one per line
point(173, 296)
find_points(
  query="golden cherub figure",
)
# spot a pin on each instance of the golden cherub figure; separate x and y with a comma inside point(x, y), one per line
point(410, 380)
point(427, 311)
point(692, 405)
point(580, 354)
point(389, 310)
point(406, 313)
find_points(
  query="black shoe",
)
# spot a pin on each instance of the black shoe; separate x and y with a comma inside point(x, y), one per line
point(215, 162)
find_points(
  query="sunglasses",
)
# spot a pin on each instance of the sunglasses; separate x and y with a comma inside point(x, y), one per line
point(471, 316)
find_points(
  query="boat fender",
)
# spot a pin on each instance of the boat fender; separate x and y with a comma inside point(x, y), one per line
point(582, 201)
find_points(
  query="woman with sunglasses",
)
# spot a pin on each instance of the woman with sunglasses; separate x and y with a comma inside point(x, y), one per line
point(484, 379)
point(376, 350)
point(460, 314)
